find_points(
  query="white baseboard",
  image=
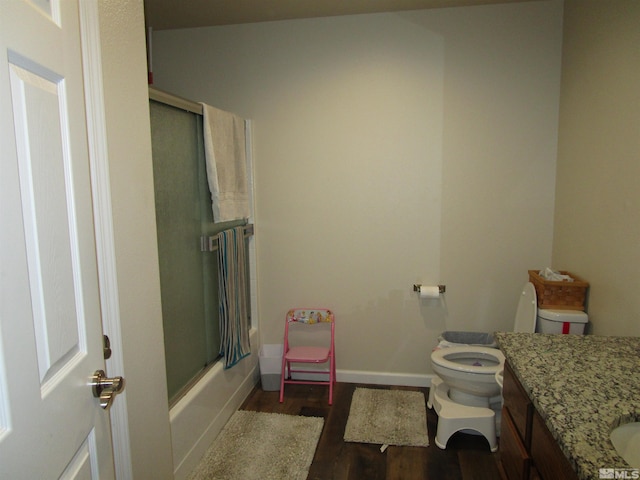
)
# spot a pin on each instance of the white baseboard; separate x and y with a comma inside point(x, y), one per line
point(385, 378)
point(374, 378)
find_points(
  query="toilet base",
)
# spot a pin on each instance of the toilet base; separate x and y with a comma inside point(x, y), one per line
point(453, 417)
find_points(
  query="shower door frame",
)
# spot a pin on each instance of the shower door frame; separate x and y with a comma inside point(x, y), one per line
point(196, 108)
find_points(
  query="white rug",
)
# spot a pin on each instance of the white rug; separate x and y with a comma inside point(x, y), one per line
point(261, 446)
point(387, 417)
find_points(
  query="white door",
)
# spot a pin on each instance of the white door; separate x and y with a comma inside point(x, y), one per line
point(51, 426)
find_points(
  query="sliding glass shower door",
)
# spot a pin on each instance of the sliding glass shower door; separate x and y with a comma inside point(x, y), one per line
point(188, 275)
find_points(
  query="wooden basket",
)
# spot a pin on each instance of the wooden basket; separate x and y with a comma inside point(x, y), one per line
point(559, 295)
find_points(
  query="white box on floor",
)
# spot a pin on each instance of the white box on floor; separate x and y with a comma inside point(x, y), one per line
point(270, 366)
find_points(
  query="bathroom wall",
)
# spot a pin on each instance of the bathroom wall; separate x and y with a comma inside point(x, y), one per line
point(597, 216)
point(390, 149)
point(132, 305)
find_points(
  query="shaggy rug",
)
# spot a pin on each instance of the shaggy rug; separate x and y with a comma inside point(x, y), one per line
point(387, 417)
point(261, 446)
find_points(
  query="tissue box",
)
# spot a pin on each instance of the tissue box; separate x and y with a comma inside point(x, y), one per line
point(559, 295)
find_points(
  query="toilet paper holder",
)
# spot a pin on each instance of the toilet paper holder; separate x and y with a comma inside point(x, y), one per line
point(416, 287)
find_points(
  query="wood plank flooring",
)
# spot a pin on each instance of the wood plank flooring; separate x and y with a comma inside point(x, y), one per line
point(467, 457)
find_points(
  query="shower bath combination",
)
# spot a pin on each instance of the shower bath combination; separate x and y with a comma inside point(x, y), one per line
point(187, 245)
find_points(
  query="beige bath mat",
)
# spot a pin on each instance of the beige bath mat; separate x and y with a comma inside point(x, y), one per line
point(387, 417)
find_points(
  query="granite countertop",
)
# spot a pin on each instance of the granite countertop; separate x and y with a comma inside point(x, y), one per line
point(583, 387)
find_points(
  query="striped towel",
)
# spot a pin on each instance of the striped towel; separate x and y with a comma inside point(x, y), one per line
point(232, 288)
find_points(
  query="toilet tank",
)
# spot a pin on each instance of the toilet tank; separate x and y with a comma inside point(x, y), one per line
point(561, 321)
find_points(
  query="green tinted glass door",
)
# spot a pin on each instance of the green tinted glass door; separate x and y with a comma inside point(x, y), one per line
point(188, 276)
point(186, 273)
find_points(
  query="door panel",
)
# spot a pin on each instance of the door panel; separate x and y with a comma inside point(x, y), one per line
point(51, 426)
point(45, 198)
point(84, 462)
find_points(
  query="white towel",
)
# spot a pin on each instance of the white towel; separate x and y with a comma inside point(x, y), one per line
point(224, 145)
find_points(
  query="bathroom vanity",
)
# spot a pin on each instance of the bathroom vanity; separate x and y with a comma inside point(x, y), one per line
point(563, 395)
point(528, 451)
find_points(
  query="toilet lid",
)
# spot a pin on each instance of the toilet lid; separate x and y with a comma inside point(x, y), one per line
point(527, 310)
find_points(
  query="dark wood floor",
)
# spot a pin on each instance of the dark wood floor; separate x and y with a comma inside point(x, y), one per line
point(467, 457)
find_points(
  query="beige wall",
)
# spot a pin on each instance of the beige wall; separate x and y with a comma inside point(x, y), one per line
point(597, 216)
point(390, 149)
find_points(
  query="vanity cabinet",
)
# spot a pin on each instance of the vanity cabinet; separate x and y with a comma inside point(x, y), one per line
point(528, 451)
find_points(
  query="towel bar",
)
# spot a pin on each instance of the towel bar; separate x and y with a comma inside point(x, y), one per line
point(210, 244)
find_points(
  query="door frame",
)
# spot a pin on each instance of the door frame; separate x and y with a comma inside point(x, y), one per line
point(103, 224)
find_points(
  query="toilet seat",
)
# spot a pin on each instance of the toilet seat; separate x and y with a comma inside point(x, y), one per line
point(446, 357)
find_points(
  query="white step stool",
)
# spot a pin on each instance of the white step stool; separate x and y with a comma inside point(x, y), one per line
point(454, 417)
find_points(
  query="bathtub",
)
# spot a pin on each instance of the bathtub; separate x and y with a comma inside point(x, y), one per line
point(198, 417)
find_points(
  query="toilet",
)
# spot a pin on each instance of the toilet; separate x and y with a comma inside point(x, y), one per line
point(467, 385)
point(469, 372)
